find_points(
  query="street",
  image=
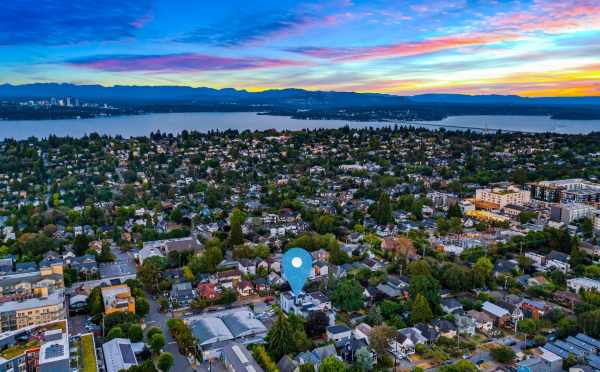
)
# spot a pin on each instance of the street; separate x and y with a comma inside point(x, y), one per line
point(157, 319)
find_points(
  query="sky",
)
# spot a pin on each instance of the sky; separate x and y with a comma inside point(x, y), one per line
point(524, 47)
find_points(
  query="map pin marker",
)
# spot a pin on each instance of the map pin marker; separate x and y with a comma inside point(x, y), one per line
point(297, 264)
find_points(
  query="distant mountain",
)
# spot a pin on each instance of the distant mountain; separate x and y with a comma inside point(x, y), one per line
point(494, 99)
point(290, 97)
point(170, 94)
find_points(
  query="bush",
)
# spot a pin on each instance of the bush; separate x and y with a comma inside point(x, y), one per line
point(265, 361)
point(503, 354)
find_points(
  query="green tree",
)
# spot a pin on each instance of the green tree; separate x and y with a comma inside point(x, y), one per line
point(460, 366)
point(348, 295)
point(142, 307)
point(150, 274)
point(420, 310)
point(135, 333)
point(165, 361)
point(363, 360)
point(279, 336)
point(383, 210)
point(503, 354)
point(374, 316)
point(428, 286)
point(454, 211)
point(157, 342)
point(336, 255)
point(236, 236)
point(95, 304)
point(307, 367)
point(115, 332)
point(332, 364)
point(482, 272)
point(379, 339)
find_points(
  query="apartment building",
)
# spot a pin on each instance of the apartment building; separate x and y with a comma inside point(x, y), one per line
point(502, 196)
point(23, 313)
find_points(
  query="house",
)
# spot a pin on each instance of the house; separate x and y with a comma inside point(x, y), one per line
point(429, 332)
point(85, 265)
point(117, 298)
point(450, 305)
point(465, 324)
point(244, 288)
point(247, 266)
point(504, 267)
point(499, 314)
point(534, 309)
point(513, 305)
point(577, 284)
point(338, 332)
point(445, 327)
point(236, 357)
point(287, 364)
point(483, 322)
point(207, 291)
point(319, 269)
point(558, 261)
point(409, 338)
point(229, 278)
point(182, 294)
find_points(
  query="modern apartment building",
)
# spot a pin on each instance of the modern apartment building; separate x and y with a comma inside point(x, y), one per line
point(502, 196)
point(37, 310)
point(570, 212)
point(575, 190)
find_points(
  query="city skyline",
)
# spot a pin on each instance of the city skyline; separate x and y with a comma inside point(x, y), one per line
point(529, 48)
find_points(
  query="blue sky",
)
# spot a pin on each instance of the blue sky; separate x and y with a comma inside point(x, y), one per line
point(527, 47)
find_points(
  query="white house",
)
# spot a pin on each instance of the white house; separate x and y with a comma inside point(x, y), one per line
point(577, 284)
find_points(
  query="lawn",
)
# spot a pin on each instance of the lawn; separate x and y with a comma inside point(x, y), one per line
point(88, 353)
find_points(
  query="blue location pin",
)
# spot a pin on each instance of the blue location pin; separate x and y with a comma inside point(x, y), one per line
point(297, 264)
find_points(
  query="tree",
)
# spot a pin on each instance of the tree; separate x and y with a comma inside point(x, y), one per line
point(142, 307)
point(363, 360)
point(503, 354)
point(420, 267)
point(374, 316)
point(567, 326)
point(105, 254)
point(482, 271)
point(336, 255)
point(135, 333)
point(95, 304)
point(153, 331)
point(379, 339)
point(316, 324)
point(307, 367)
point(150, 274)
point(454, 211)
point(460, 366)
point(332, 364)
point(348, 295)
point(165, 361)
point(157, 342)
point(428, 286)
point(420, 311)
point(115, 332)
point(383, 210)
point(279, 336)
point(236, 236)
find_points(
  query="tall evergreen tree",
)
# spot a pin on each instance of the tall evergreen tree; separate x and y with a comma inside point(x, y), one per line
point(420, 311)
point(236, 236)
point(383, 210)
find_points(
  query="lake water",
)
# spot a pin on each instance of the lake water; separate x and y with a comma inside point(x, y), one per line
point(143, 125)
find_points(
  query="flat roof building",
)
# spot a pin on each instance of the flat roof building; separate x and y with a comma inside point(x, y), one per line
point(118, 355)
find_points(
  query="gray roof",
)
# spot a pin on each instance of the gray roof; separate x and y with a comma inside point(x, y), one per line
point(239, 358)
point(118, 354)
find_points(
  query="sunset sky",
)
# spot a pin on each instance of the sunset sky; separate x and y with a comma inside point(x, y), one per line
point(527, 47)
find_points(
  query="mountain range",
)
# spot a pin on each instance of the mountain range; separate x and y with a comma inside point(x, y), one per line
point(280, 97)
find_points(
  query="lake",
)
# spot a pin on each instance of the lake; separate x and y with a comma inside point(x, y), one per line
point(143, 125)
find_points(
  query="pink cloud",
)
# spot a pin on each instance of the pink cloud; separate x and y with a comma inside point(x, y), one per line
point(403, 49)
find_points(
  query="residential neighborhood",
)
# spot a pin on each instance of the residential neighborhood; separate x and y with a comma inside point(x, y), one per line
point(431, 250)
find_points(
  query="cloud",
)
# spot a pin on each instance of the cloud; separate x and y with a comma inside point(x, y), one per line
point(259, 27)
point(177, 63)
point(402, 49)
point(57, 22)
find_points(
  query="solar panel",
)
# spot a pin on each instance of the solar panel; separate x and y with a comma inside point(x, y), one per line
point(581, 344)
point(127, 354)
point(588, 340)
point(55, 351)
point(556, 350)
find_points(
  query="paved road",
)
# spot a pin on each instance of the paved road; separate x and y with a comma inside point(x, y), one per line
point(156, 318)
